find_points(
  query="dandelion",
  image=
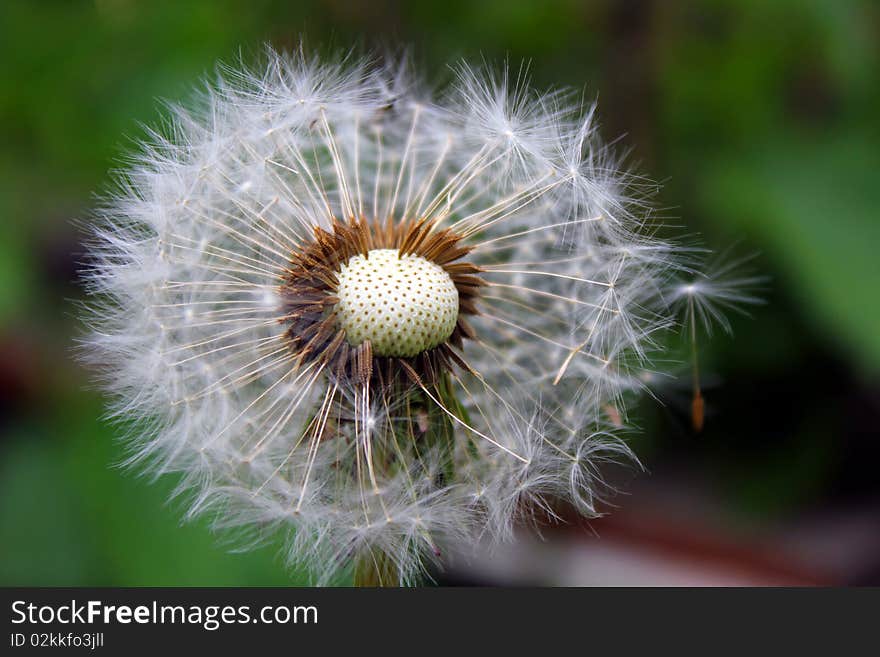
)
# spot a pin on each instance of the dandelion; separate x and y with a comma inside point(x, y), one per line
point(374, 321)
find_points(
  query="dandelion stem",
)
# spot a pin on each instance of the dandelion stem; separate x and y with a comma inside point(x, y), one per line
point(375, 570)
point(697, 404)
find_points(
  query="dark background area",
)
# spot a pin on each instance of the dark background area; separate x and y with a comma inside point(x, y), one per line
point(760, 119)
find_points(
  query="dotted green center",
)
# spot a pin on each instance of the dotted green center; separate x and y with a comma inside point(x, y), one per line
point(402, 305)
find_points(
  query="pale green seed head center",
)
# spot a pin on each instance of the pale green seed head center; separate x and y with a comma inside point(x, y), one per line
point(403, 305)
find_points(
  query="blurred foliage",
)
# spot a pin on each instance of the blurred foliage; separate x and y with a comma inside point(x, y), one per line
point(760, 117)
point(71, 519)
point(770, 113)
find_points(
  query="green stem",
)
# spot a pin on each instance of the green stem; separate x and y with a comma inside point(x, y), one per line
point(375, 570)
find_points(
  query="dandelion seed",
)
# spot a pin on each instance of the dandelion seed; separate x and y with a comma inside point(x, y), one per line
point(702, 300)
point(376, 322)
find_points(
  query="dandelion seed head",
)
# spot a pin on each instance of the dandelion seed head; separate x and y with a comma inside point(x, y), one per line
point(377, 320)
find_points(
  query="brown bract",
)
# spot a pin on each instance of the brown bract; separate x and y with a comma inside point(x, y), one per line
point(309, 288)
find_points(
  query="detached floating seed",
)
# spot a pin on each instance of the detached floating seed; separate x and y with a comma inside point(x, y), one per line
point(402, 305)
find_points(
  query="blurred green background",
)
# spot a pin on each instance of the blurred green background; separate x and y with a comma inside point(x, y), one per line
point(760, 117)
